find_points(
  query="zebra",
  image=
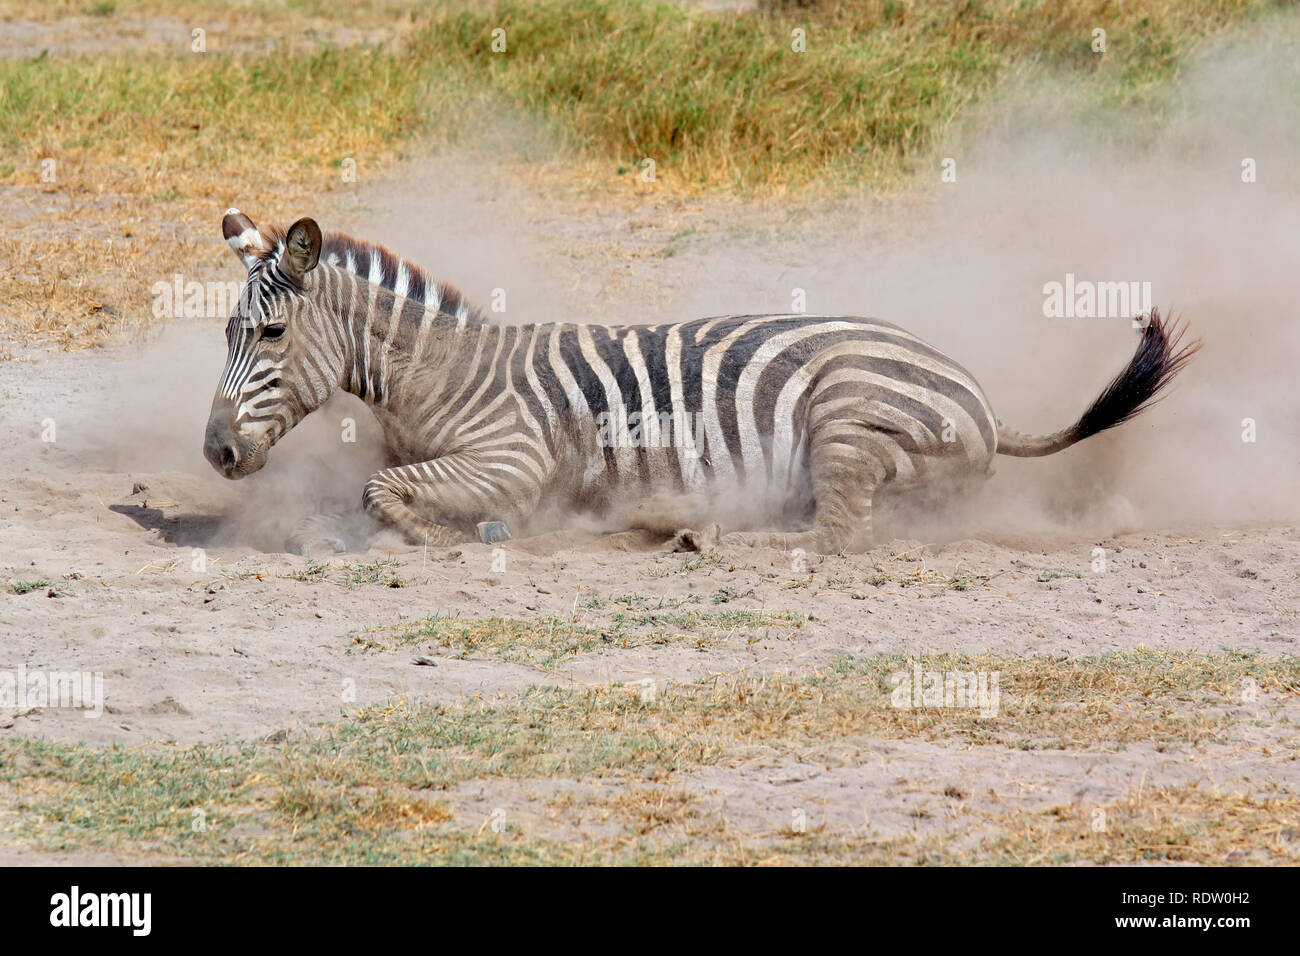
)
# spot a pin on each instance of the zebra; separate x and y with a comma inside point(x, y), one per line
point(787, 424)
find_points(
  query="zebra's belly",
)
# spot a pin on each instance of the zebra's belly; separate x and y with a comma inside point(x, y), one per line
point(671, 484)
point(666, 488)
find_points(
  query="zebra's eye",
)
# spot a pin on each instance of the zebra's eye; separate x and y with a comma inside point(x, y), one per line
point(273, 331)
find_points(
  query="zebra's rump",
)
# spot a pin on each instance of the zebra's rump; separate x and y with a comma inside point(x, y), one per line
point(738, 402)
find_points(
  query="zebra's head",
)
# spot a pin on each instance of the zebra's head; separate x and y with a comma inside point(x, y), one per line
point(278, 365)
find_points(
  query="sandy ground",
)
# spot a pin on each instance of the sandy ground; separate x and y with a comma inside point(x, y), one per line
point(239, 649)
point(1200, 543)
point(212, 655)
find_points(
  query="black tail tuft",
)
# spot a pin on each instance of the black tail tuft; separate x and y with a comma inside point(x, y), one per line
point(1158, 359)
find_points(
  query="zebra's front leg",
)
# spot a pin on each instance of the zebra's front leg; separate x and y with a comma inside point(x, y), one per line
point(437, 502)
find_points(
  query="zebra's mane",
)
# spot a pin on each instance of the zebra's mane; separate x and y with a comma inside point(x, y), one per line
point(381, 266)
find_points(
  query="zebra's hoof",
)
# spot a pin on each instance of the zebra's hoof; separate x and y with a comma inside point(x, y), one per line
point(490, 532)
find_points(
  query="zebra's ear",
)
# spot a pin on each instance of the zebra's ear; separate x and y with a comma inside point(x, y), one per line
point(302, 247)
point(244, 237)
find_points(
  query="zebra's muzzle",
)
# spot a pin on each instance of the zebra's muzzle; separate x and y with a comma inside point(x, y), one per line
point(229, 452)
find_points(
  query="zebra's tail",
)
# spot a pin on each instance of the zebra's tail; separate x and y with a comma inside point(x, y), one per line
point(1158, 359)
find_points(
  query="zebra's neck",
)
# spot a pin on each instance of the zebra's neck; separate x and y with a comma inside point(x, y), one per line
point(383, 336)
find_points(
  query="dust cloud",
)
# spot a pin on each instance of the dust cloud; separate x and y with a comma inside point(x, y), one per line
point(1046, 186)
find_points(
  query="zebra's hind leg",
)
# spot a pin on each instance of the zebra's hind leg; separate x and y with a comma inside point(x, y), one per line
point(844, 481)
point(456, 490)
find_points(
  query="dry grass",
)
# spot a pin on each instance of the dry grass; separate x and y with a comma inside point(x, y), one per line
point(150, 147)
point(151, 141)
point(1196, 825)
point(1205, 825)
point(548, 642)
point(364, 790)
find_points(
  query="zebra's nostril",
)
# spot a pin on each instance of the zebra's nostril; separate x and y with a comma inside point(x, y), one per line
point(228, 457)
